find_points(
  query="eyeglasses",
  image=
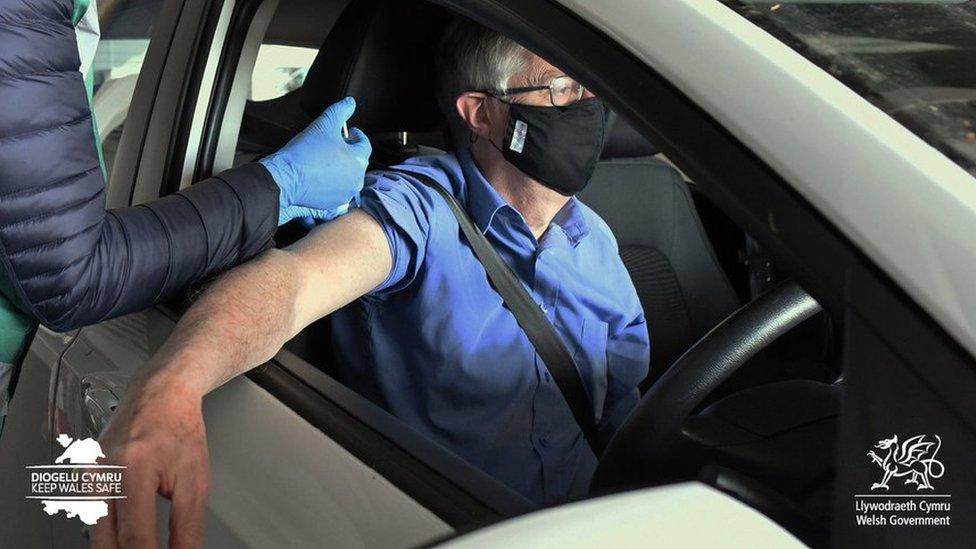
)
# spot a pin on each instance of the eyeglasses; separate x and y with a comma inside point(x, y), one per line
point(563, 91)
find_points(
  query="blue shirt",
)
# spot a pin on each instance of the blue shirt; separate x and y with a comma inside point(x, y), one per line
point(435, 346)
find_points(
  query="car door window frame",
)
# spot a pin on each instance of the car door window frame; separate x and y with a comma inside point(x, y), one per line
point(134, 133)
point(160, 141)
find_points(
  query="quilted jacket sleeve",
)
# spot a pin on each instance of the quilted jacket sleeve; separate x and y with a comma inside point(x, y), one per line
point(68, 261)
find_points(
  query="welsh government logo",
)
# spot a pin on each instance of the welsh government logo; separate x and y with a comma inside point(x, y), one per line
point(80, 488)
point(913, 461)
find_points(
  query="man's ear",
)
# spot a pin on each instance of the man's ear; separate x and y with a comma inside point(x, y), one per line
point(472, 107)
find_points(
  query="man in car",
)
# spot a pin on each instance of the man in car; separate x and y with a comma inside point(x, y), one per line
point(427, 336)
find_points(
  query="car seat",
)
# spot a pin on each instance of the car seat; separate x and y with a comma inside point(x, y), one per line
point(649, 208)
point(382, 53)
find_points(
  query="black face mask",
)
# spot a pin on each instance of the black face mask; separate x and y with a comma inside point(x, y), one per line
point(557, 146)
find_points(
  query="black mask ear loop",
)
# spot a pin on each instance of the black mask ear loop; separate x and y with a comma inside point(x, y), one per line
point(499, 149)
point(474, 137)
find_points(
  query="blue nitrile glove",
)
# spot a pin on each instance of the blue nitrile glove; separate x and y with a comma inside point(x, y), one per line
point(308, 217)
point(319, 172)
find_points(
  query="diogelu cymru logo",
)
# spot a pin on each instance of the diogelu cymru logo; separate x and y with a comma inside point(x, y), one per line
point(76, 484)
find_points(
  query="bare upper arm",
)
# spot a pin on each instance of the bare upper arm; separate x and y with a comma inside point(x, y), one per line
point(338, 262)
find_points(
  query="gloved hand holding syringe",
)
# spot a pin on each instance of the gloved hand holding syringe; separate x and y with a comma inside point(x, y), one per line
point(306, 195)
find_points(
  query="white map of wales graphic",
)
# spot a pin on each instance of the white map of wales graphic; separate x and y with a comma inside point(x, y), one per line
point(78, 452)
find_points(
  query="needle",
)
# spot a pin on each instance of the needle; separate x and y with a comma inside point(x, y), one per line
point(341, 210)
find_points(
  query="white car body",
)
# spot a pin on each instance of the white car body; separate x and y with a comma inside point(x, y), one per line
point(907, 206)
point(685, 515)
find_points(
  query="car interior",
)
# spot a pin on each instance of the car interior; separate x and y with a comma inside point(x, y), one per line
point(763, 433)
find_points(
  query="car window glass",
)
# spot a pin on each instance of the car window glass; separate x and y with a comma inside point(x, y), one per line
point(125, 29)
point(272, 112)
point(912, 60)
point(279, 69)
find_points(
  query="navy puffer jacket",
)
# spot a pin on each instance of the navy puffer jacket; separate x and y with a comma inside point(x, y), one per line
point(66, 260)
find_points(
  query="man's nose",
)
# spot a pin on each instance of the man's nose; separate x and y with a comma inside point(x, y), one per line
point(587, 94)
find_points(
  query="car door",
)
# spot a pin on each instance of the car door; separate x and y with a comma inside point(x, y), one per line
point(27, 441)
point(333, 466)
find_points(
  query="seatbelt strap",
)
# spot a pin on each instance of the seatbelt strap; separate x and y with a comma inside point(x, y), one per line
point(528, 314)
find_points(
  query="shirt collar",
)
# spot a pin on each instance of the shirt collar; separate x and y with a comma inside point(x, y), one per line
point(483, 200)
point(484, 203)
point(570, 219)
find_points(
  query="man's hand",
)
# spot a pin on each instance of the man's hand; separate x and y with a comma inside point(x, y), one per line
point(159, 436)
point(319, 171)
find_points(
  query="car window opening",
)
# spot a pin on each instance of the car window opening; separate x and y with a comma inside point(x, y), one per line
point(650, 210)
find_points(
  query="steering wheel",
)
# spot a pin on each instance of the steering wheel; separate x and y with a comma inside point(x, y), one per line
point(647, 445)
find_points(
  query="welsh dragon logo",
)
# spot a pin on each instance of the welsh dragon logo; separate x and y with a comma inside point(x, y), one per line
point(913, 458)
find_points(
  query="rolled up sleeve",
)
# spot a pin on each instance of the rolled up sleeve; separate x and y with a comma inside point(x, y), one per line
point(403, 207)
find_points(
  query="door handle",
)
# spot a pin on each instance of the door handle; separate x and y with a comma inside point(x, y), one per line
point(100, 402)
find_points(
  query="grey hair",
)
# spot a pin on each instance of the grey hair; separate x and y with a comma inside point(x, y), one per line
point(472, 57)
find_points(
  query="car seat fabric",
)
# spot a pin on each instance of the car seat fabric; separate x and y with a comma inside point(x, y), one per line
point(647, 204)
point(382, 53)
point(64, 259)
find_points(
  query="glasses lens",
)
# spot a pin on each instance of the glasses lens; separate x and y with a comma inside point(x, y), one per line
point(565, 91)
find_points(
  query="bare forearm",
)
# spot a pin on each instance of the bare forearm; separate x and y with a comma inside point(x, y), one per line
point(239, 323)
point(250, 312)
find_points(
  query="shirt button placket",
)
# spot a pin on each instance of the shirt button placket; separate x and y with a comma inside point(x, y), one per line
point(544, 289)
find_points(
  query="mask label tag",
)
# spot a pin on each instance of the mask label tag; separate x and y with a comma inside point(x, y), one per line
point(518, 136)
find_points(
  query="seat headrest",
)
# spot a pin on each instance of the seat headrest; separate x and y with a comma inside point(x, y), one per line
point(382, 53)
point(623, 141)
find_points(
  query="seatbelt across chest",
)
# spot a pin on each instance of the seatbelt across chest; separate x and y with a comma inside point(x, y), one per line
point(528, 314)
